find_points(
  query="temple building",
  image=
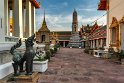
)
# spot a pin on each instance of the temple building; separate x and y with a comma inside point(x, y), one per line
point(63, 37)
point(22, 13)
point(42, 36)
point(115, 23)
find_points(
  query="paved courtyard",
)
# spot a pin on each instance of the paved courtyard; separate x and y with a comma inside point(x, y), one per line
point(74, 66)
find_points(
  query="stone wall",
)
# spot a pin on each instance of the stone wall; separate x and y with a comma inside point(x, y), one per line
point(5, 57)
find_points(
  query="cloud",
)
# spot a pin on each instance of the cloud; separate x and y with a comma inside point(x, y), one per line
point(55, 22)
point(87, 9)
point(65, 4)
point(64, 22)
point(90, 20)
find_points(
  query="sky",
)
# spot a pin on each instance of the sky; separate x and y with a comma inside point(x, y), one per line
point(58, 13)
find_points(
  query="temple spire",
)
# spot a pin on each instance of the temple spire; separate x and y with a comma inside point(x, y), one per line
point(44, 14)
point(44, 25)
point(44, 20)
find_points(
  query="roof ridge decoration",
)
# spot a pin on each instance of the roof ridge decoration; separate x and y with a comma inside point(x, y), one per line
point(122, 20)
point(114, 23)
point(36, 4)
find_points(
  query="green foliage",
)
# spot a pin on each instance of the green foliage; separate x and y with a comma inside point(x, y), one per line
point(57, 45)
point(86, 50)
point(101, 48)
point(55, 49)
point(48, 55)
point(121, 55)
point(52, 51)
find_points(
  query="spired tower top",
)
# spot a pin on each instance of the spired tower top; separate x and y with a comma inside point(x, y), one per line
point(44, 25)
point(75, 16)
point(75, 22)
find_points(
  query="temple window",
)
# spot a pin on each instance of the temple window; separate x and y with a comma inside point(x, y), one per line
point(114, 35)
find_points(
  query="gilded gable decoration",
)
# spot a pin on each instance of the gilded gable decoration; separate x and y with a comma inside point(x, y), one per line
point(114, 23)
point(122, 20)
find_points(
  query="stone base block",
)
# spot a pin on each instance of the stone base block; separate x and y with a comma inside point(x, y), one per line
point(27, 79)
point(5, 70)
point(122, 61)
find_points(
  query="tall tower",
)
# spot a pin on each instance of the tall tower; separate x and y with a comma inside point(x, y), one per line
point(75, 40)
point(75, 22)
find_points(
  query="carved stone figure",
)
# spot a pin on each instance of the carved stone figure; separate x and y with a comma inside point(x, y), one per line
point(28, 56)
point(16, 57)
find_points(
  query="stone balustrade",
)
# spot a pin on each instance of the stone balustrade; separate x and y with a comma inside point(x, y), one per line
point(11, 39)
point(6, 45)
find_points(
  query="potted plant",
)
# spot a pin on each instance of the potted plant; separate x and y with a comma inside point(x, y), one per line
point(57, 46)
point(91, 51)
point(52, 52)
point(121, 56)
point(40, 62)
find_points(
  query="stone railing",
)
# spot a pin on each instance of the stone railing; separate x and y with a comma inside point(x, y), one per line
point(41, 46)
point(11, 39)
point(6, 45)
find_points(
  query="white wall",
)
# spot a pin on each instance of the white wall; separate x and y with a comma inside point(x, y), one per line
point(116, 9)
point(2, 31)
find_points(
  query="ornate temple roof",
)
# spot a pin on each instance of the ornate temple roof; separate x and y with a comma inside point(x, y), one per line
point(103, 5)
point(98, 33)
point(44, 26)
point(36, 4)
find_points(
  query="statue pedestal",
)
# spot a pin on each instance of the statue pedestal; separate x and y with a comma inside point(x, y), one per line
point(27, 79)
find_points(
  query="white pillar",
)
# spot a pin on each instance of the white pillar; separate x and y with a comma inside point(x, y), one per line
point(108, 31)
point(101, 43)
point(6, 16)
point(97, 43)
point(93, 43)
point(23, 20)
point(8, 30)
point(33, 19)
point(64, 44)
point(28, 18)
point(17, 19)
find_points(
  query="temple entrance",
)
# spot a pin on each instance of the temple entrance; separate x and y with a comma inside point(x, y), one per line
point(43, 38)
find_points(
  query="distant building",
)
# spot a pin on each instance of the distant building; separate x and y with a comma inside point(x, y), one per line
point(62, 37)
point(42, 36)
point(95, 34)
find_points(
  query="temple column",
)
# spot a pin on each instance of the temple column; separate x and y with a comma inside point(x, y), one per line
point(6, 16)
point(28, 19)
point(101, 43)
point(97, 43)
point(108, 31)
point(17, 19)
point(33, 20)
point(93, 43)
point(23, 20)
point(64, 44)
point(8, 30)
